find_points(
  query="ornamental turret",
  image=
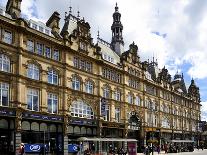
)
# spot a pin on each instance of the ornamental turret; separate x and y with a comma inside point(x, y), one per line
point(117, 42)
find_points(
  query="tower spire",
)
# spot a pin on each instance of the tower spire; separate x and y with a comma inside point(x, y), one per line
point(117, 42)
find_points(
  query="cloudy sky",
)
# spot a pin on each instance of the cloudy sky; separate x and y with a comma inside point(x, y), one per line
point(173, 31)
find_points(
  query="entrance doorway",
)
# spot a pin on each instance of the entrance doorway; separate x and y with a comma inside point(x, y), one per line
point(5, 140)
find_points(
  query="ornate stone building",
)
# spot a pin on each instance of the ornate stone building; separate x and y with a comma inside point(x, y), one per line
point(57, 88)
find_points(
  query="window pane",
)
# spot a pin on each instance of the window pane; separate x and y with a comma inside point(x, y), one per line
point(48, 52)
point(35, 103)
point(56, 55)
point(29, 102)
point(49, 104)
point(7, 37)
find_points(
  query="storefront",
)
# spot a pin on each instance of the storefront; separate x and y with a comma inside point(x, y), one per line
point(7, 131)
point(134, 131)
point(81, 127)
point(42, 130)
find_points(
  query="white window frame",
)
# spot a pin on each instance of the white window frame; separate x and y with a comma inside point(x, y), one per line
point(117, 95)
point(76, 83)
point(53, 98)
point(107, 116)
point(81, 109)
point(52, 74)
point(34, 70)
point(30, 45)
point(4, 91)
point(117, 114)
point(32, 93)
point(89, 87)
point(7, 37)
point(4, 63)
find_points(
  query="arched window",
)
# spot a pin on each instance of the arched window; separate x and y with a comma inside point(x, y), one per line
point(4, 63)
point(89, 87)
point(106, 92)
point(52, 77)
point(33, 72)
point(81, 109)
point(76, 83)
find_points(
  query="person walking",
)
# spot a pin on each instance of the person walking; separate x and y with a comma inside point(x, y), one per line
point(158, 149)
point(21, 149)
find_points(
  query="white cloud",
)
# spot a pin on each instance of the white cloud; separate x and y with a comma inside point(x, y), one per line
point(204, 111)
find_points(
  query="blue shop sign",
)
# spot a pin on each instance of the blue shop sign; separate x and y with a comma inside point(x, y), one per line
point(42, 117)
point(73, 148)
point(32, 148)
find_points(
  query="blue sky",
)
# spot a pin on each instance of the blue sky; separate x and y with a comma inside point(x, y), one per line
point(181, 32)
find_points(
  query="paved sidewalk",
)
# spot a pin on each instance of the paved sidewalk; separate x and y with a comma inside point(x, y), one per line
point(155, 153)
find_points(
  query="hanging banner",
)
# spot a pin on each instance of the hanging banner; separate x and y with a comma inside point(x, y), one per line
point(103, 106)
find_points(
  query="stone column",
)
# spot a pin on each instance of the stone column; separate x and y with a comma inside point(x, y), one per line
point(18, 127)
point(65, 138)
point(65, 144)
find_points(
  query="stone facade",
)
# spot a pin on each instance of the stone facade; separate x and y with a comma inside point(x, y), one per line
point(46, 74)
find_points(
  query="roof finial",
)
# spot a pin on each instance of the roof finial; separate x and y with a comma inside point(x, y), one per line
point(116, 7)
point(65, 15)
point(70, 9)
point(98, 35)
point(78, 14)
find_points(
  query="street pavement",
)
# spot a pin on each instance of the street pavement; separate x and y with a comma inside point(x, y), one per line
point(195, 152)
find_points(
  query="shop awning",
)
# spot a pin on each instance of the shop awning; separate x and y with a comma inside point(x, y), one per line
point(106, 139)
point(181, 141)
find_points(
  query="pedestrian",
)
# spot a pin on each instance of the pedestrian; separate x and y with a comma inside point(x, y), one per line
point(166, 148)
point(158, 149)
point(21, 149)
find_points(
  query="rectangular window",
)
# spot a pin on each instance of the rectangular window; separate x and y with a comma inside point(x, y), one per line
point(47, 52)
point(39, 49)
point(107, 116)
point(41, 29)
point(30, 45)
point(56, 55)
point(76, 62)
point(47, 31)
point(4, 94)
point(138, 101)
point(7, 37)
point(117, 95)
point(52, 103)
point(130, 99)
point(33, 99)
point(117, 114)
point(34, 26)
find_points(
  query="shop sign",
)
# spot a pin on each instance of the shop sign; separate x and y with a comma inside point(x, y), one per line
point(43, 117)
point(73, 148)
point(32, 148)
point(83, 122)
point(6, 112)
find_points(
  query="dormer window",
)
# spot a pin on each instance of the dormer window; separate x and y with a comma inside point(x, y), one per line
point(83, 46)
point(34, 26)
point(41, 29)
